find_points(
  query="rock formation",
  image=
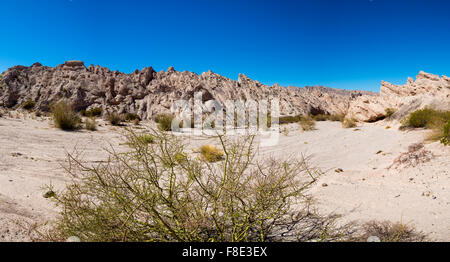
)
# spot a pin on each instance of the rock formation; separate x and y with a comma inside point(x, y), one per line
point(148, 92)
point(427, 90)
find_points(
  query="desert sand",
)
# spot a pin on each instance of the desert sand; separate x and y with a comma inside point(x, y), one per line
point(32, 155)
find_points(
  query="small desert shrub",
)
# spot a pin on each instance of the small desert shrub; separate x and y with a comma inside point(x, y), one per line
point(428, 118)
point(147, 139)
point(157, 193)
point(337, 117)
point(431, 119)
point(446, 137)
point(115, 119)
point(91, 124)
point(211, 153)
point(130, 117)
point(326, 117)
point(93, 112)
point(391, 232)
point(416, 155)
point(389, 112)
point(307, 123)
point(29, 105)
point(321, 117)
point(289, 119)
point(349, 123)
point(65, 117)
point(164, 121)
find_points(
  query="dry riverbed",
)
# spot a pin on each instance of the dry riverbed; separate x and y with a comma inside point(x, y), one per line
point(357, 181)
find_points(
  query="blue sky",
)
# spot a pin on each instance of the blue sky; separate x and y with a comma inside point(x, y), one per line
point(351, 44)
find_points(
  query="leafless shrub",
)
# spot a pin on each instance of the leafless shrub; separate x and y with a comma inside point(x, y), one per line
point(158, 192)
point(391, 232)
point(416, 155)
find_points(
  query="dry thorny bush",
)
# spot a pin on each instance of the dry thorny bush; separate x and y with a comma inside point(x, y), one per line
point(158, 192)
point(417, 154)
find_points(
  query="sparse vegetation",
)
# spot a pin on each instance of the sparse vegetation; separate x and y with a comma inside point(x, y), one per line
point(93, 112)
point(211, 153)
point(427, 118)
point(65, 117)
point(446, 137)
point(147, 139)
point(389, 112)
point(289, 119)
point(164, 121)
point(130, 117)
point(91, 124)
point(29, 105)
point(156, 192)
point(115, 119)
point(391, 232)
point(349, 123)
point(307, 123)
point(435, 120)
point(325, 117)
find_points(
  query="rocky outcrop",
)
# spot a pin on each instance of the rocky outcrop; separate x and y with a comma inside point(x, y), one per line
point(427, 90)
point(147, 92)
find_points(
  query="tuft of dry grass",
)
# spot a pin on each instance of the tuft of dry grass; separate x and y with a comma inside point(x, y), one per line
point(29, 105)
point(389, 112)
point(349, 123)
point(115, 119)
point(446, 136)
point(93, 112)
point(391, 232)
point(65, 117)
point(91, 124)
point(164, 121)
point(307, 123)
point(325, 117)
point(211, 153)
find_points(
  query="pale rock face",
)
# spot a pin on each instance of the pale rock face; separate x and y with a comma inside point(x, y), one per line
point(427, 90)
point(148, 92)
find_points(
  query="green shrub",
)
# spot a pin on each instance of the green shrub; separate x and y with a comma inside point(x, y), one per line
point(147, 139)
point(93, 112)
point(65, 117)
point(289, 119)
point(164, 121)
point(155, 193)
point(115, 119)
point(428, 118)
point(307, 124)
point(446, 137)
point(337, 118)
point(130, 117)
point(29, 105)
point(91, 124)
point(389, 112)
point(211, 153)
point(326, 117)
point(321, 117)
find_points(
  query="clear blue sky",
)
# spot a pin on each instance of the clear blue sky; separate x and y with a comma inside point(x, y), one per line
point(352, 44)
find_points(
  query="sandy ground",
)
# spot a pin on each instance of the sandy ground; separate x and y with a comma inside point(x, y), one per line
point(32, 152)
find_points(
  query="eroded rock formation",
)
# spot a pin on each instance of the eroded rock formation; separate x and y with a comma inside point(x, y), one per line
point(147, 92)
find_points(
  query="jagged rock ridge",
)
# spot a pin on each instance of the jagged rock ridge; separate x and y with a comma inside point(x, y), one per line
point(147, 92)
